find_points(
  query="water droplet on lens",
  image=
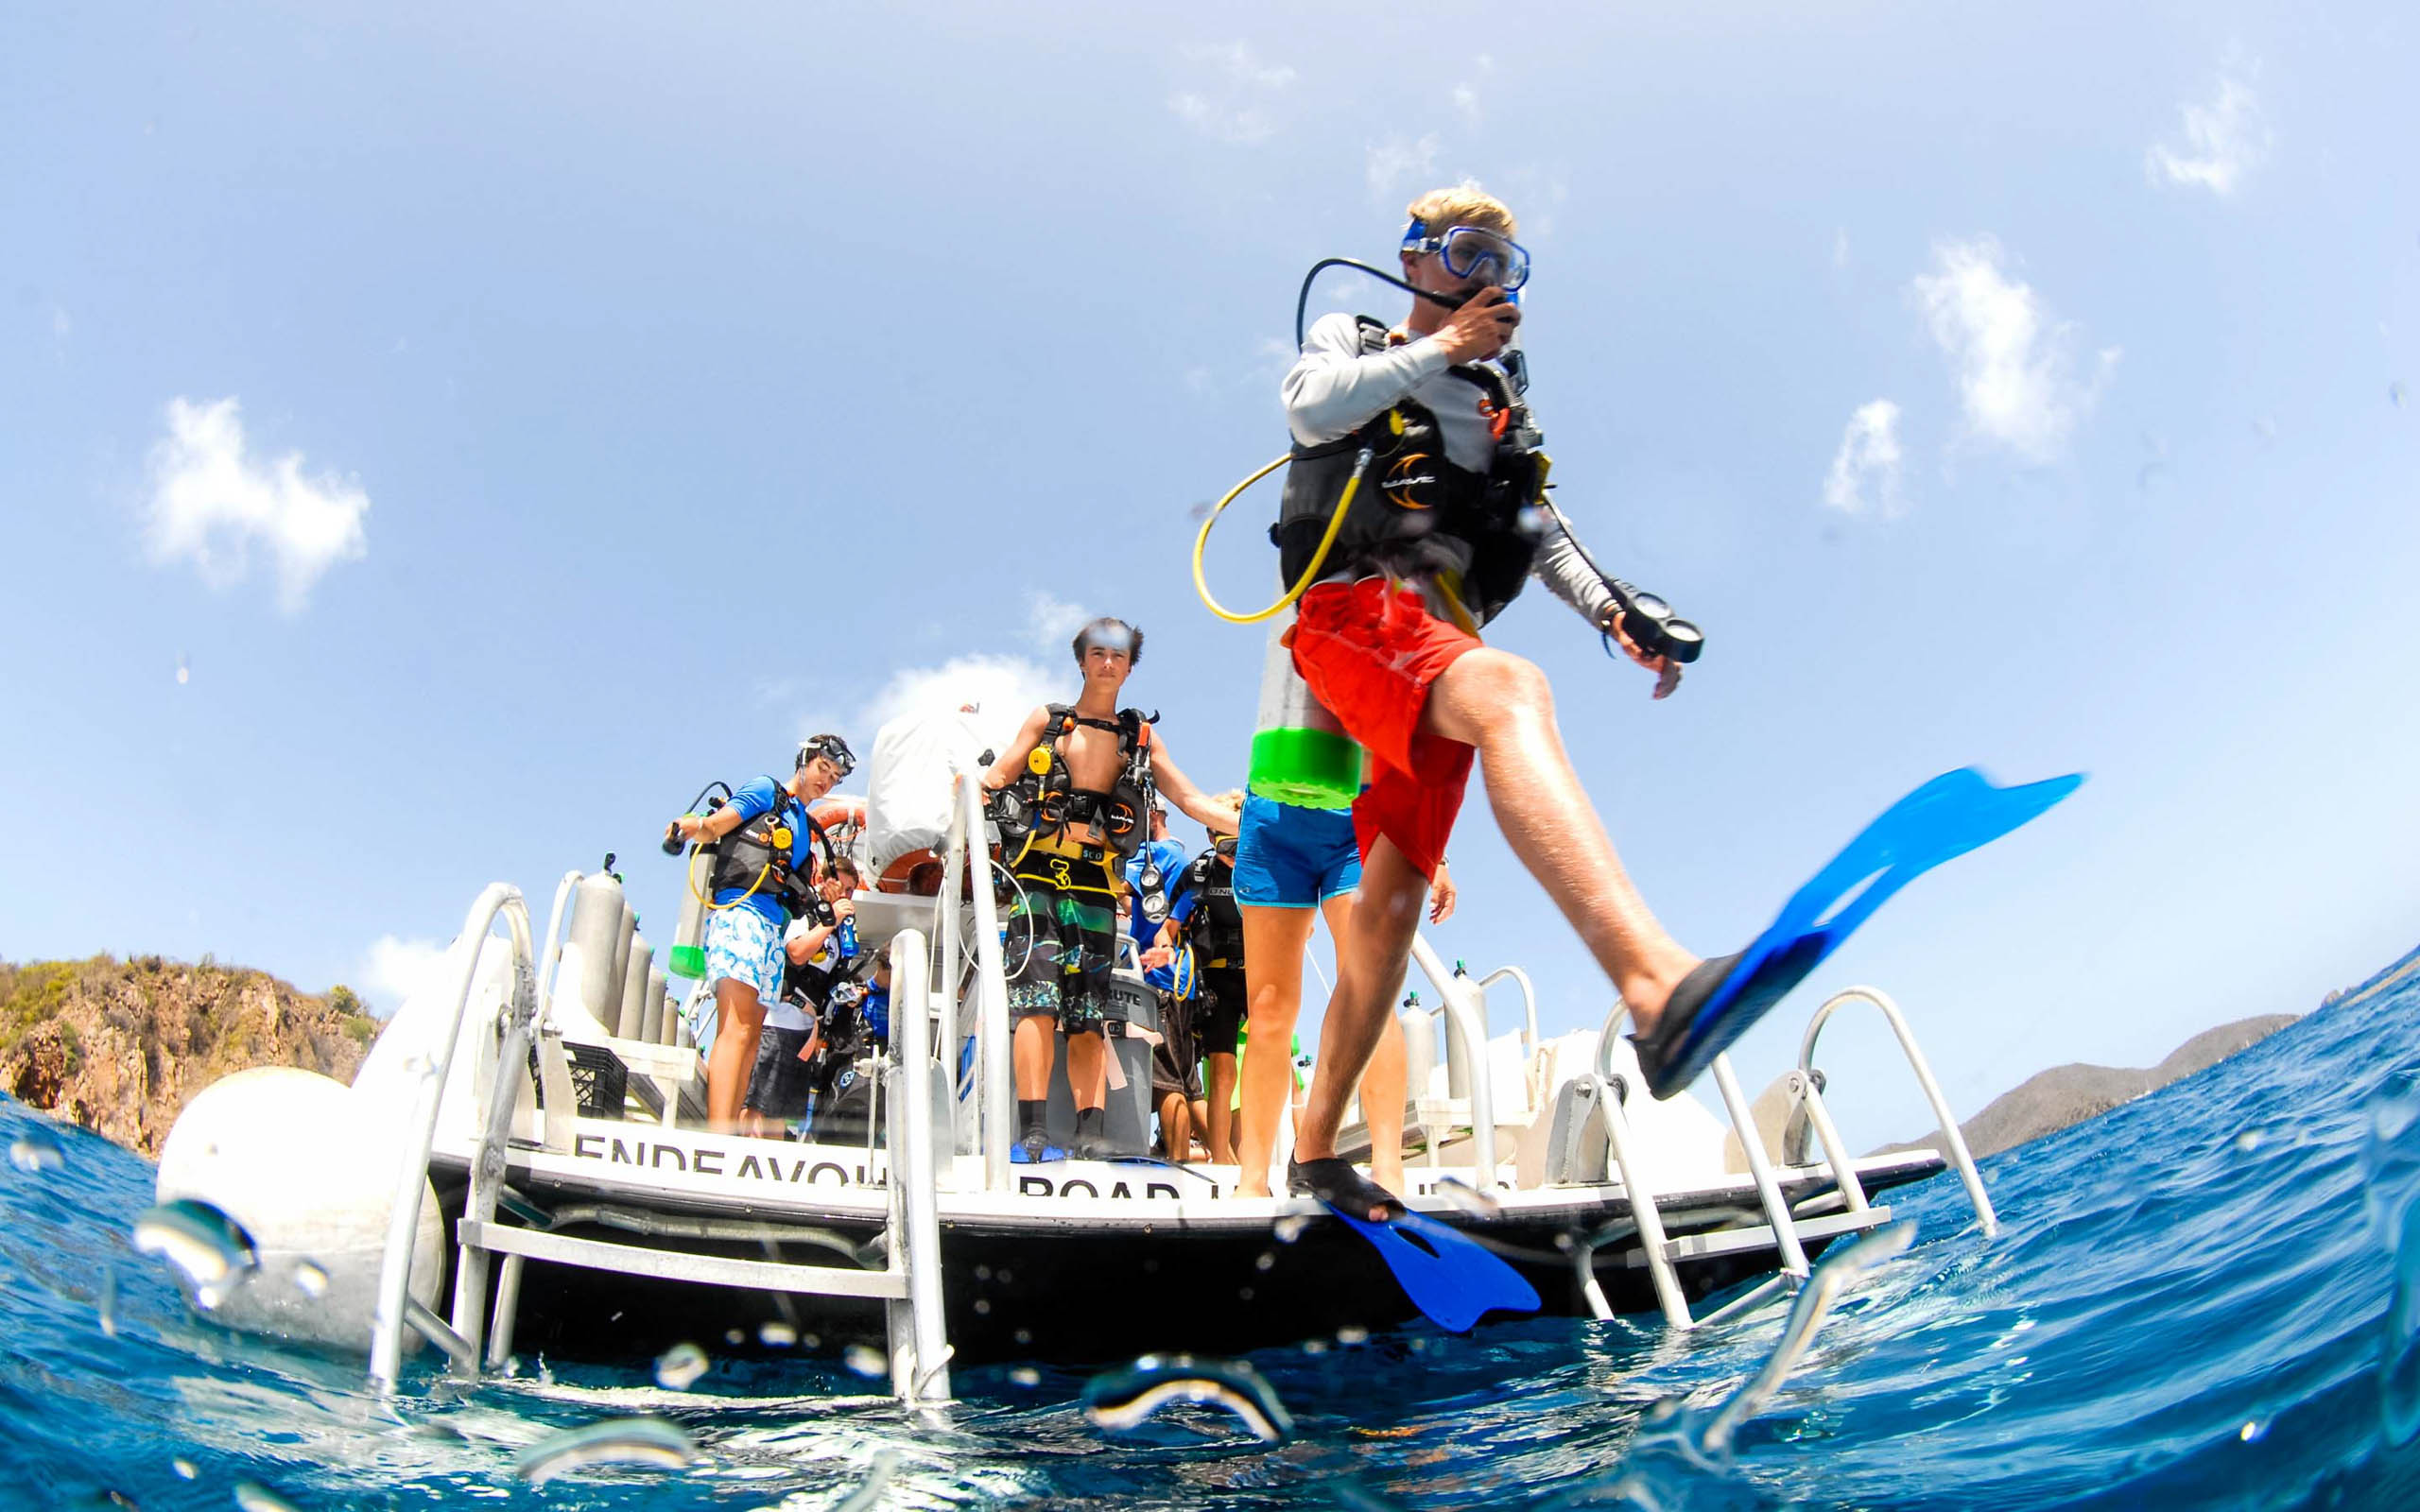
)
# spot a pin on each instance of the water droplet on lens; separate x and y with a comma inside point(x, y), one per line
point(183, 1468)
point(2254, 1430)
point(1352, 1335)
point(1025, 1375)
point(647, 1442)
point(107, 1302)
point(776, 1335)
point(209, 1251)
point(983, 1307)
point(1120, 1400)
point(1291, 1227)
point(1315, 1345)
point(1025, 1336)
point(678, 1367)
point(310, 1279)
point(1268, 1259)
point(2395, 395)
point(36, 1152)
point(252, 1498)
point(735, 1336)
point(1469, 1198)
point(2247, 1142)
point(866, 1360)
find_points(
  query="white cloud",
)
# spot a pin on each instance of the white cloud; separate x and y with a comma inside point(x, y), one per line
point(1005, 689)
point(212, 502)
point(60, 325)
point(2224, 140)
point(1868, 453)
point(396, 968)
point(1466, 101)
point(1051, 621)
point(1232, 105)
point(2015, 364)
point(1840, 247)
point(1398, 160)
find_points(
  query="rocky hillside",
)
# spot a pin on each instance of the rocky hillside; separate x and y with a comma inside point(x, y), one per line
point(2050, 1100)
point(121, 1046)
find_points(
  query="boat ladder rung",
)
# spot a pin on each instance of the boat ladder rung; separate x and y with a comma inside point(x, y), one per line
point(677, 1265)
point(1760, 1236)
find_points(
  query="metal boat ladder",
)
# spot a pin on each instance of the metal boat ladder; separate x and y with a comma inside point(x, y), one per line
point(1783, 1228)
point(909, 1284)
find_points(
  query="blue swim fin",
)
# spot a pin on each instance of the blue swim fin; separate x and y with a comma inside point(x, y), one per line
point(1714, 1006)
point(1449, 1276)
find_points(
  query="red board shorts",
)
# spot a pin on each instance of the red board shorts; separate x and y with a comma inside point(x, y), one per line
point(1369, 650)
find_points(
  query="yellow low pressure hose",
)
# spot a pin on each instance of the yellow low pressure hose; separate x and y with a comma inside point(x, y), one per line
point(1318, 557)
point(708, 904)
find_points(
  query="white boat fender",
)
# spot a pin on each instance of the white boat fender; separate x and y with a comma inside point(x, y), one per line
point(309, 1169)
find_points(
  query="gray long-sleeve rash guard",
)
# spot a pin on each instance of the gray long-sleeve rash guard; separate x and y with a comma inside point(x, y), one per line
point(1336, 386)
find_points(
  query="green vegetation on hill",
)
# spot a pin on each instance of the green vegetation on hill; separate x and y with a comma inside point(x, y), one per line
point(119, 1047)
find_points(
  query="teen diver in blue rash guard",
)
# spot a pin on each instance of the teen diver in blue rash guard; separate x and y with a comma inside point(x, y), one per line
point(755, 872)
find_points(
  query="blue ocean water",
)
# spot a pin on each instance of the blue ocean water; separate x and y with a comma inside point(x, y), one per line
point(2209, 1298)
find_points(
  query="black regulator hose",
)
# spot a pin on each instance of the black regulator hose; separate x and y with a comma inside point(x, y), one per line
point(1303, 301)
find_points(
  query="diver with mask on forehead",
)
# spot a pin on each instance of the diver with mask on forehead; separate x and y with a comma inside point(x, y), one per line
point(1387, 635)
point(762, 880)
point(1072, 796)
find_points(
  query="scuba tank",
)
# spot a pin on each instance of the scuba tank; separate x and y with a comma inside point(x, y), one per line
point(653, 1008)
point(1300, 754)
point(686, 959)
point(590, 944)
point(634, 979)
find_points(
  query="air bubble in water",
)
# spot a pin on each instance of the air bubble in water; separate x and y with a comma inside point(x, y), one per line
point(255, 1498)
point(209, 1251)
point(1291, 1227)
point(678, 1367)
point(35, 1152)
point(1118, 1401)
point(310, 1278)
point(865, 1359)
point(650, 1442)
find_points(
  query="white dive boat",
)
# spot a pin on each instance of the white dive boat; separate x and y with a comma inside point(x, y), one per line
point(521, 1164)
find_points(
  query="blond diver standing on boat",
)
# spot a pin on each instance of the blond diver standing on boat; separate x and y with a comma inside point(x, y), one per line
point(1387, 639)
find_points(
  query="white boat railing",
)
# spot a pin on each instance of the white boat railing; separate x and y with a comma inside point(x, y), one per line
point(969, 853)
point(909, 1284)
point(1807, 1087)
point(1788, 1232)
point(395, 1307)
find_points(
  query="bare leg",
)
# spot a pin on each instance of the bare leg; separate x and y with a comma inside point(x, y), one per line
point(1382, 1093)
point(1501, 704)
point(1369, 963)
point(1088, 1069)
point(1273, 941)
point(1035, 1047)
point(738, 1018)
point(1176, 1127)
point(1222, 1105)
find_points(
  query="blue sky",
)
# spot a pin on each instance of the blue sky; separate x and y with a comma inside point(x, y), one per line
point(438, 443)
